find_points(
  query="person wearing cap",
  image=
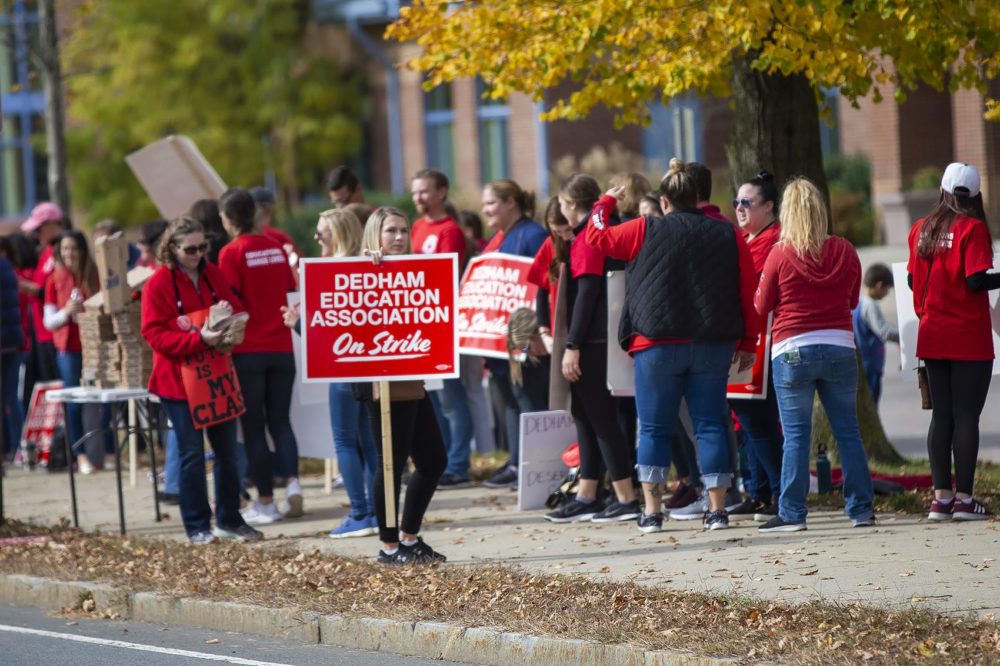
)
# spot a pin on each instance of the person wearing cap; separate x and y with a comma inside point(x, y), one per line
point(950, 254)
point(264, 199)
point(45, 223)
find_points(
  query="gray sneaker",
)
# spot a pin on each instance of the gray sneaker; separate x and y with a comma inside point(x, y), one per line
point(694, 511)
point(202, 538)
point(241, 533)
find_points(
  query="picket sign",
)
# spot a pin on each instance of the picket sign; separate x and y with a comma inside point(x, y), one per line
point(363, 322)
point(494, 285)
point(210, 382)
point(906, 317)
point(544, 437)
point(750, 384)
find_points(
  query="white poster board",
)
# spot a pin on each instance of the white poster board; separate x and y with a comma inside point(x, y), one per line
point(907, 318)
point(310, 409)
point(544, 437)
point(175, 174)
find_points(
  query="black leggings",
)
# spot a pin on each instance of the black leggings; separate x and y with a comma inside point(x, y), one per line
point(415, 435)
point(958, 393)
point(595, 412)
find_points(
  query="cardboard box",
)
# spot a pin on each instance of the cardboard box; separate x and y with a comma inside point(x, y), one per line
point(111, 256)
point(175, 174)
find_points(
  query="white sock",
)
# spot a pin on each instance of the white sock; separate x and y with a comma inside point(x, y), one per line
point(391, 552)
point(409, 542)
point(967, 500)
point(946, 501)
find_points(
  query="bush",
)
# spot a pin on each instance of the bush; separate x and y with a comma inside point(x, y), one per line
point(301, 224)
point(849, 180)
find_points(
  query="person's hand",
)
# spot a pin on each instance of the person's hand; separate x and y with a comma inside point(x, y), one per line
point(290, 315)
point(27, 286)
point(73, 307)
point(571, 365)
point(745, 359)
point(210, 337)
point(548, 342)
point(616, 192)
point(376, 256)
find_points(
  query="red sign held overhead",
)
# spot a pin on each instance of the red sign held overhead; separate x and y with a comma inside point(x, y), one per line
point(394, 321)
point(493, 287)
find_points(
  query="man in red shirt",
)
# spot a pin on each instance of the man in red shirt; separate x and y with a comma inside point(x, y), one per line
point(435, 231)
point(343, 187)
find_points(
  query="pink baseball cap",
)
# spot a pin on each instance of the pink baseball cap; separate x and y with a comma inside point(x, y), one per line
point(40, 214)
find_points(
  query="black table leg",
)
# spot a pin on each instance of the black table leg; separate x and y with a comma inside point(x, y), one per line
point(69, 466)
point(120, 406)
point(152, 454)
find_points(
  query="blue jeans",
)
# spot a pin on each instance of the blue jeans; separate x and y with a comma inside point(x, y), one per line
point(357, 456)
point(833, 372)
point(455, 405)
point(172, 465)
point(13, 411)
point(70, 367)
point(696, 371)
point(195, 510)
point(763, 442)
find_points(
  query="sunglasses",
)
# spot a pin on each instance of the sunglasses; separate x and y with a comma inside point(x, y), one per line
point(746, 203)
point(192, 250)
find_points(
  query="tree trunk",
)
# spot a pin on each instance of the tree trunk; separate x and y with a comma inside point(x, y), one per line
point(55, 114)
point(776, 127)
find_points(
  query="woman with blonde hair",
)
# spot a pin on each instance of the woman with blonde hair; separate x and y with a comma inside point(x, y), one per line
point(636, 187)
point(338, 232)
point(812, 280)
point(415, 431)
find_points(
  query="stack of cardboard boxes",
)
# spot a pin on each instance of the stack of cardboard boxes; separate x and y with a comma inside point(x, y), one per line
point(114, 351)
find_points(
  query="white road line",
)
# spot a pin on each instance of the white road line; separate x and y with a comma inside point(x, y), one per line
point(137, 646)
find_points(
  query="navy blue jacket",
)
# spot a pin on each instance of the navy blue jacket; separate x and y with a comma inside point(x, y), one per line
point(11, 333)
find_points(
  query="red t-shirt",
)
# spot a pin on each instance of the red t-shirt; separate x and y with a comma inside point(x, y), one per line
point(160, 327)
point(256, 267)
point(584, 259)
point(279, 236)
point(761, 244)
point(624, 241)
point(954, 320)
point(438, 236)
point(57, 292)
point(46, 265)
point(538, 274)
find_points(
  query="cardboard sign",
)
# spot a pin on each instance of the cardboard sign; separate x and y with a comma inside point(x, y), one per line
point(394, 321)
point(544, 436)
point(310, 409)
point(44, 416)
point(906, 317)
point(111, 257)
point(175, 174)
point(621, 370)
point(210, 382)
point(493, 287)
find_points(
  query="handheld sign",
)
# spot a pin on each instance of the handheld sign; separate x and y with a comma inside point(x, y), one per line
point(544, 437)
point(493, 287)
point(752, 384)
point(213, 390)
point(394, 321)
point(175, 174)
point(44, 416)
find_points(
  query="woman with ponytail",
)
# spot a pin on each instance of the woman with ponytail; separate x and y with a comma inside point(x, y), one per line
point(688, 314)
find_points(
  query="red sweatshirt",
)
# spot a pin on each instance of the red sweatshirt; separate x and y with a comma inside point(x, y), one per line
point(761, 245)
point(46, 265)
point(809, 295)
point(257, 269)
point(625, 240)
point(58, 289)
point(434, 236)
point(160, 328)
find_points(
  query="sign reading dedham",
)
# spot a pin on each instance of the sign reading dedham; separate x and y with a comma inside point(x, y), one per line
point(395, 321)
point(493, 287)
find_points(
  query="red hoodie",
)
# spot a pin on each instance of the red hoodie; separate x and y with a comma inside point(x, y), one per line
point(809, 295)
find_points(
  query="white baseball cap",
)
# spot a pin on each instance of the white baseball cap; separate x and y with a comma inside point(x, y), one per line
point(961, 176)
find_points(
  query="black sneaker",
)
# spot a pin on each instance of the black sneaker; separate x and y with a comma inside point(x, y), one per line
point(452, 481)
point(650, 523)
point(242, 533)
point(505, 477)
point(765, 512)
point(422, 553)
point(168, 498)
point(745, 510)
point(716, 520)
point(573, 511)
point(616, 511)
point(389, 558)
point(778, 524)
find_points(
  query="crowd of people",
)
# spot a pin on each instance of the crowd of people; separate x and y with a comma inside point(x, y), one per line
point(699, 292)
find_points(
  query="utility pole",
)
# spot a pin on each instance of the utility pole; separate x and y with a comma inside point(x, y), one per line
point(55, 112)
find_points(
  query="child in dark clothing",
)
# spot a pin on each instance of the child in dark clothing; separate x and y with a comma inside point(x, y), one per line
point(871, 330)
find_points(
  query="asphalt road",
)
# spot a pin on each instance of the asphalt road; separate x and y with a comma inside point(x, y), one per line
point(31, 637)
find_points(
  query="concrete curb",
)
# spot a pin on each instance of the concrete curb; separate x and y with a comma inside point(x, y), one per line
point(429, 640)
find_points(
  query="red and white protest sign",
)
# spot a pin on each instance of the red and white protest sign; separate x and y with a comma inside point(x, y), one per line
point(394, 321)
point(493, 287)
point(213, 390)
point(752, 384)
point(44, 416)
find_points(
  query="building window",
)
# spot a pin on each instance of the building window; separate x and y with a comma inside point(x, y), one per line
point(492, 115)
point(439, 121)
point(22, 169)
point(674, 131)
point(829, 122)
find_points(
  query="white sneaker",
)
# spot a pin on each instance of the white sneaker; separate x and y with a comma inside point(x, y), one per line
point(696, 510)
point(262, 514)
point(85, 467)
